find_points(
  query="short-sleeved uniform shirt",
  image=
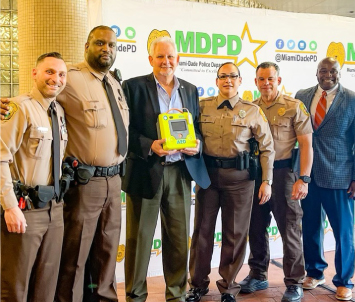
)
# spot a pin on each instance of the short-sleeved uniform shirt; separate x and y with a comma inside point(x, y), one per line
point(90, 123)
point(226, 131)
point(288, 118)
point(26, 144)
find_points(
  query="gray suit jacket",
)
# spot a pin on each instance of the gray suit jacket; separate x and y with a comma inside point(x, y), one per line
point(333, 141)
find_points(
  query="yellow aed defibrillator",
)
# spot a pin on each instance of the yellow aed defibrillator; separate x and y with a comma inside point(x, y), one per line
point(177, 128)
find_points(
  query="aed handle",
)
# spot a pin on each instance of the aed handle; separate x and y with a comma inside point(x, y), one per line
point(181, 111)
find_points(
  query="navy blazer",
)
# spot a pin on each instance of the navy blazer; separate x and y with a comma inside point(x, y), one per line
point(333, 141)
point(144, 172)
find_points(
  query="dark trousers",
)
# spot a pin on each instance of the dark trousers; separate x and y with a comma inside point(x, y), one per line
point(92, 221)
point(288, 215)
point(30, 261)
point(232, 192)
point(173, 199)
point(340, 211)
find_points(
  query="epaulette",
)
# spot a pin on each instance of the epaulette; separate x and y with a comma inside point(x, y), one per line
point(247, 102)
point(289, 98)
point(211, 98)
point(73, 67)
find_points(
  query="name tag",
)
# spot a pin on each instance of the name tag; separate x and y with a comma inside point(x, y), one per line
point(42, 129)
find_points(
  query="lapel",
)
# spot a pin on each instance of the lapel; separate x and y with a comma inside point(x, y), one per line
point(153, 93)
point(333, 108)
point(183, 96)
point(309, 97)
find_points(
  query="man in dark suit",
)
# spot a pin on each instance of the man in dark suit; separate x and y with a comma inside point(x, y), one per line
point(332, 189)
point(157, 179)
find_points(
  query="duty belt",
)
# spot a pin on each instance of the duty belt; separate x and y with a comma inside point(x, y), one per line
point(284, 163)
point(241, 162)
point(106, 171)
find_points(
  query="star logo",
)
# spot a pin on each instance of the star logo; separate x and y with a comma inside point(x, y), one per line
point(283, 91)
point(254, 61)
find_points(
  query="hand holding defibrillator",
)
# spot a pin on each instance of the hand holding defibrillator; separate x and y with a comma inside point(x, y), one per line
point(176, 133)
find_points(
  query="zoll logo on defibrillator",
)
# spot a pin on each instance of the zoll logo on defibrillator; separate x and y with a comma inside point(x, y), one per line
point(177, 128)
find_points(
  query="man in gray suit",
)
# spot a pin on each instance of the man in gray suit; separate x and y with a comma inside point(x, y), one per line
point(332, 189)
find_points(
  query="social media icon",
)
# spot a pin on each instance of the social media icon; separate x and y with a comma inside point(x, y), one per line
point(130, 32)
point(291, 44)
point(280, 44)
point(302, 45)
point(201, 91)
point(211, 91)
point(313, 45)
point(117, 30)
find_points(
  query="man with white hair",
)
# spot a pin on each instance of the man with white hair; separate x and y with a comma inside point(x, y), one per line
point(157, 179)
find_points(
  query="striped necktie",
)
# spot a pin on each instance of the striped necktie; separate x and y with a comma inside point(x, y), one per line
point(320, 110)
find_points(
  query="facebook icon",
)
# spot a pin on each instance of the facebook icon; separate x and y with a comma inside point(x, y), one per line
point(280, 44)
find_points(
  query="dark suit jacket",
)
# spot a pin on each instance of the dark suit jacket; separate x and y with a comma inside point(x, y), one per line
point(144, 172)
point(333, 141)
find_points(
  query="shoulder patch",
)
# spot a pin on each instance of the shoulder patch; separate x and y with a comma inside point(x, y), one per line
point(304, 109)
point(263, 114)
point(13, 108)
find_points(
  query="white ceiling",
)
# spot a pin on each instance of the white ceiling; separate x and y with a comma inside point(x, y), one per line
point(344, 8)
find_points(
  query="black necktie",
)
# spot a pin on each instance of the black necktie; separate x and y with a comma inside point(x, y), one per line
point(55, 148)
point(225, 103)
point(120, 128)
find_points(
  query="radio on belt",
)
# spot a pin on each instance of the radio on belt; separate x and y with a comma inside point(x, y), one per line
point(177, 128)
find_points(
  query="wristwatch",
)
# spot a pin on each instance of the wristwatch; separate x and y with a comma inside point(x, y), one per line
point(306, 179)
point(268, 181)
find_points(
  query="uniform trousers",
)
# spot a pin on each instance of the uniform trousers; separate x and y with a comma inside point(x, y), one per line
point(232, 192)
point(339, 208)
point(288, 214)
point(92, 224)
point(173, 199)
point(30, 261)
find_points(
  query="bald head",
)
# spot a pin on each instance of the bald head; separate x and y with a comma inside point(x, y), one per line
point(328, 73)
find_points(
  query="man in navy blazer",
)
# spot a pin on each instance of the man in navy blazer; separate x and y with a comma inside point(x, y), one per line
point(332, 189)
point(157, 179)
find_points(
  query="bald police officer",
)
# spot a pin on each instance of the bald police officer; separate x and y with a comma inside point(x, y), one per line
point(289, 122)
point(227, 123)
point(32, 229)
point(92, 212)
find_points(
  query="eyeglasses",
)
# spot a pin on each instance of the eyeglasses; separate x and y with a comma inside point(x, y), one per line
point(225, 76)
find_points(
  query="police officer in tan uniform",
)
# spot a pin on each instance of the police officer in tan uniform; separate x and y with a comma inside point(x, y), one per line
point(227, 123)
point(32, 233)
point(92, 212)
point(289, 122)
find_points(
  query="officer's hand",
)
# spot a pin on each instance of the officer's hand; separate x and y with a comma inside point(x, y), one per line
point(192, 151)
point(351, 190)
point(15, 220)
point(264, 193)
point(157, 148)
point(3, 107)
point(299, 190)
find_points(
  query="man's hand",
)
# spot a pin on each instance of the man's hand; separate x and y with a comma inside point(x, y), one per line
point(157, 148)
point(192, 151)
point(15, 220)
point(3, 107)
point(351, 190)
point(264, 192)
point(299, 190)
